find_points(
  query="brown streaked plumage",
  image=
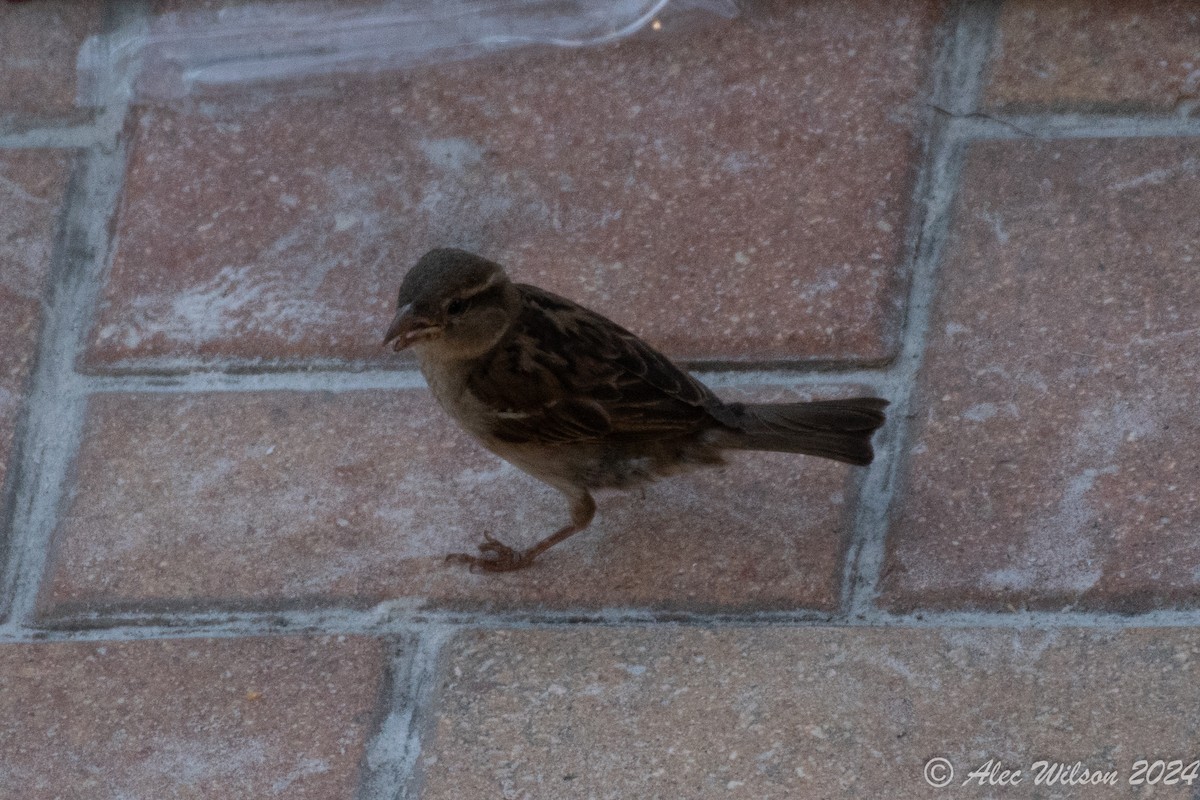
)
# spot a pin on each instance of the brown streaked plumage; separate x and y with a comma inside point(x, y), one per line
point(579, 402)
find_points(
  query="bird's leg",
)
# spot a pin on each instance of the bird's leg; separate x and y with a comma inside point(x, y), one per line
point(495, 556)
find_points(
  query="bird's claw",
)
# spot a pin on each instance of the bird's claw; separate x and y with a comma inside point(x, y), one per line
point(495, 556)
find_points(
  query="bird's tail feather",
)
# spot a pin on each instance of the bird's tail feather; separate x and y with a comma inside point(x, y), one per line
point(836, 429)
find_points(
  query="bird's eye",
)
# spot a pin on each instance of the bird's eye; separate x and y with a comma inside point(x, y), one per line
point(456, 306)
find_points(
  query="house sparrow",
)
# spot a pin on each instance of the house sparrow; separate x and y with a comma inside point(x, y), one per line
point(579, 402)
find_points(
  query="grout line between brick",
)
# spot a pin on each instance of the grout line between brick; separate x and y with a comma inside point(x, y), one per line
point(306, 381)
point(67, 136)
point(56, 397)
point(978, 126)
point(57, 394)
point(971, 125)
point(400, 379)
point(391, 762)
point(432, 627)
point(174, 367)
point(958, 81)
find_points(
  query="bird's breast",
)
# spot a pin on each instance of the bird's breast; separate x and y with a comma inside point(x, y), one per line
point(448, 384)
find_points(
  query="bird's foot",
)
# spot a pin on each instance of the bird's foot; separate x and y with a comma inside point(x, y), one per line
point(495, 556)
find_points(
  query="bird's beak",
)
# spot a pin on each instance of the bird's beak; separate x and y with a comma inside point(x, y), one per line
point(407, 328)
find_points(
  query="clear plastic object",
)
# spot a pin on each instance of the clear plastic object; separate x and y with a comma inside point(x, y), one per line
point(187, 51)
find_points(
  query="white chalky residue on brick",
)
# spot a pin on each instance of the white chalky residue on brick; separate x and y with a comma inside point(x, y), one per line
point(953, 329)
point(436, 519)
point(456, 154)
point(238, 299)
point(304, 767)
point(214, 476)
point(184, 762)
point(278, 293)
point(982, 412)
point(997, 222)
point(739, 161)
point(915, 678)
point(824, 284)
point(1157, 176)
point(470, 205)
point(419, 515)
point(1060, 548)
point(1021, 652)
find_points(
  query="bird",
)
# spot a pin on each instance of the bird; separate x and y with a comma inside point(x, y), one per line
point(580, 403)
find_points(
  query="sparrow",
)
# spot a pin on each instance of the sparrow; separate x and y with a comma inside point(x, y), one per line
point(577, 401)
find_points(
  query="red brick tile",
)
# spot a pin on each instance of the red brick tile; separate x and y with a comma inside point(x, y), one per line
point(1055, 457)
point(39, 43)
point(285, 499)
point(751, 178)
point(1096, 54)
point(817, 713)
point(244, 718)
point(32, 184)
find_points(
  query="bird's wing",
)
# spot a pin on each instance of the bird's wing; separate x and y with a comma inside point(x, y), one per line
point(566, 374)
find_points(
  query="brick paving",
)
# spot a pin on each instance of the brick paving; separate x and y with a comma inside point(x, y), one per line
point(1105, 55)
point(225, 508)
point(819, 712)
point(282, 237)
point(268, 500)
point(236, 718)
point(1045, 466)
point(39, 53)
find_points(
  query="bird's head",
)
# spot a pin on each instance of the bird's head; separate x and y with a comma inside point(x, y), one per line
point(453, 304)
